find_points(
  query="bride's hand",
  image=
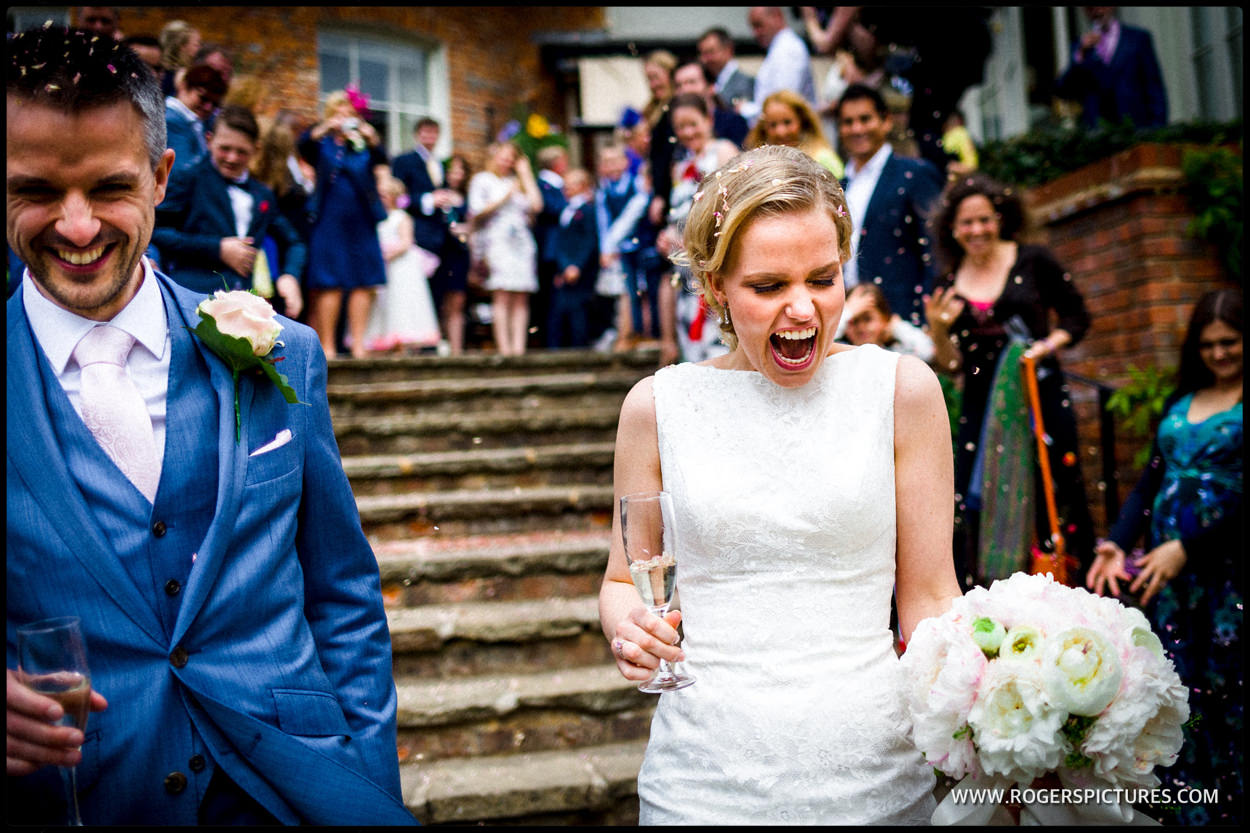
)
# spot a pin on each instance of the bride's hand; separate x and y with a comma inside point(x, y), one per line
point(642, 639)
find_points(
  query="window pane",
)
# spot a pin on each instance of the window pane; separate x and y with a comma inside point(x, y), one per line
point(373, 79)
point(413, 83)
point(335, 74)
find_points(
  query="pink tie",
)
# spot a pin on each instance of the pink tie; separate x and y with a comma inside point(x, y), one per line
point(113, 408)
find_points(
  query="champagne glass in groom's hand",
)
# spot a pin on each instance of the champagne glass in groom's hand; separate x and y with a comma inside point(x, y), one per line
point(52, 661)
point(651, 550)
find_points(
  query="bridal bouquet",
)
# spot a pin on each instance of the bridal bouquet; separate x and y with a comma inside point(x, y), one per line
point(1031, 677)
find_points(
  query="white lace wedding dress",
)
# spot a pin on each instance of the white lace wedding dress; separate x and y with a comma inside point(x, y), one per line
point(785, 519)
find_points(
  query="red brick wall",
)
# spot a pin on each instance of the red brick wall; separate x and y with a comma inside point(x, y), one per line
point(492, 56)
point(1118, 225)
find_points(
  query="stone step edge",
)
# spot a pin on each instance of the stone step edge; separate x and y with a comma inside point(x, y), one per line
point(499, 386)
point(465, 557)
point(483, 422)
point(596, 689)
point(512, 786)
point(638, 357)
point(462, 504)
point(476, 460)
point(429, 627)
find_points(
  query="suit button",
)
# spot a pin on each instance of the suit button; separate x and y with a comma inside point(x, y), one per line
point(172, 587)
point(178, 658)
point(197, 763)
point(175, 782)
point(158, 529)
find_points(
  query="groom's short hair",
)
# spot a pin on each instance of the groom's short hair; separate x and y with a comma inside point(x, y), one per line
point(74, 71)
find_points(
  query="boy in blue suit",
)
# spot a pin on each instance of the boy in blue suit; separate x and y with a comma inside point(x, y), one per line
point(239, 653)
point(213, 220)
point(575, 251)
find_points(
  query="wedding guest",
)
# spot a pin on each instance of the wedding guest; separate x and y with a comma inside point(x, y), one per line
point(503, 200)
point(686, 327)
point(868, 319)
point(403, 317)
point(575, 252)
point(179, 43)
point(787, 64)
point(276, 167)
point(620, 205)
point(104, 21)
point(988, 280)
point(1114, 73)
point(148, 48)
point(811, 484)
point(199, 92)
point(716, 53)
point(450, 283)
point(240, 662)
point(787, 120)
point(344, 255)
point(210, 229)
point(1188, 506)
point(692, 77)
point(658, 67)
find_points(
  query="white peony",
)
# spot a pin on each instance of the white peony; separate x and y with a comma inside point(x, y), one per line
point(1022, 643)
point(1015, 727)
point(1081, 671)
point(943, 668)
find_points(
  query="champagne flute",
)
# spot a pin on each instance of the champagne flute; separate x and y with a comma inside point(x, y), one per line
point(52, 660)
point(648, 533)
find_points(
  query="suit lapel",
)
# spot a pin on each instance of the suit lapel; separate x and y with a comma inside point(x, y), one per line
point(34, 453)
point(880, 194)
point(231, 465)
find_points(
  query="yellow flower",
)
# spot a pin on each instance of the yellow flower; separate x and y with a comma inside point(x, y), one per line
point(537, 126)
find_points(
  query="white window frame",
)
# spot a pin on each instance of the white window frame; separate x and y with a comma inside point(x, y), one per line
point(28, 17)
point(395, 51)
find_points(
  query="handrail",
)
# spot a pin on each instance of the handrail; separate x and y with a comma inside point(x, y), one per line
point(1106, 437)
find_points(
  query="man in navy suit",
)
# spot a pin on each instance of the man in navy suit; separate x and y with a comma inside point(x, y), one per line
point(1115, 74)
point(239, 652)
point(212, 223)
point(575, 253)
point(422, 175)
point(553, 163)
point(692, 77)
point(889, 197)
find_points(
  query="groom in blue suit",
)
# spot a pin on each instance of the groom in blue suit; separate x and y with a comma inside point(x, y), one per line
point(240, 658)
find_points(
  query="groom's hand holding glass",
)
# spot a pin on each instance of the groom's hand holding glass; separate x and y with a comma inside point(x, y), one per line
point(33, 735)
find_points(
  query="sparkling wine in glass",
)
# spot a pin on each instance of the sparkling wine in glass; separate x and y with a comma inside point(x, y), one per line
point(52, 660)
point(648, 532)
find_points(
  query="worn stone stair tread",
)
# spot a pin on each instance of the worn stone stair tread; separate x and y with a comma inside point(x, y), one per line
point(477, 502)
point(444, 388)
point(475, 556)
point(475, 460)
point(502, 418)
point(511, 786)
point(596, 689)
point(428, 627)
point(641, 357)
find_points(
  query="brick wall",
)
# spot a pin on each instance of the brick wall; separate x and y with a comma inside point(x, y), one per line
point(493, 59)
point(1118, 225)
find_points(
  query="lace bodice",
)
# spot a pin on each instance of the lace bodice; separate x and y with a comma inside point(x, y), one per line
point(786, 537)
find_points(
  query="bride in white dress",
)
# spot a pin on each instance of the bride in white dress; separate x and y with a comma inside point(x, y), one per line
point(811, 480)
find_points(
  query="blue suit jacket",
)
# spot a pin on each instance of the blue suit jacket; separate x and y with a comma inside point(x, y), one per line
point(547, 220)
point(429, 231)
point(1130, 86)
point(287, 676)
point(899, 263)
point(577, 244)
point(180, 135)
point(197, 214)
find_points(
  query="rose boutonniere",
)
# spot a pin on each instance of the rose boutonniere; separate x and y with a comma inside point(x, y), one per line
point(264, 206)
point(242, 328)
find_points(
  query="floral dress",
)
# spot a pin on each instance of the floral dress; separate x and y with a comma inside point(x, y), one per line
point(1198, 615)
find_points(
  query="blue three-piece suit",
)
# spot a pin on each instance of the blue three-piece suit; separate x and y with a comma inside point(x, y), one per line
point(235, 623)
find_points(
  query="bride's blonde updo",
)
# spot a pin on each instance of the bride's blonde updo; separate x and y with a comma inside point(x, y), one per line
point(764, 182)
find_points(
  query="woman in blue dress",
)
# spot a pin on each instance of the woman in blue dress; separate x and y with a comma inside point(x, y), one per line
point(1189, 504)
point(344, 255)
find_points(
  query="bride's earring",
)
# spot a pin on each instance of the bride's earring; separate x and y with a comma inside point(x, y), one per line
point(725, 321)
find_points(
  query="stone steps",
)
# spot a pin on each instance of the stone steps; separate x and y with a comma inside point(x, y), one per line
point(595, 785)
point(441, 569)
point(390, 517)
point(479, 468)
point(400, 368)
point(418, 432)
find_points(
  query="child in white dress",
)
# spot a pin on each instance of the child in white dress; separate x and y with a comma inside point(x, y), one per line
point(403, 317)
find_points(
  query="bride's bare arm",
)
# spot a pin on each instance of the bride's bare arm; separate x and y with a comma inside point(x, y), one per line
point(643, 638)
point(924, 480)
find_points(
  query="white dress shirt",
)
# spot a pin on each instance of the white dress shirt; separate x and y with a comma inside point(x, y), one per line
point(786, 66)
point(242, 203)
point(58, 331)
point(860, 185)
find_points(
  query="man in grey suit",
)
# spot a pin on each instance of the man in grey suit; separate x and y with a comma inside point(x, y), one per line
point(716, 53)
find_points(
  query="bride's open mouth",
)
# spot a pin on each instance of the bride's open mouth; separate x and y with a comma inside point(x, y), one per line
point(794, 349)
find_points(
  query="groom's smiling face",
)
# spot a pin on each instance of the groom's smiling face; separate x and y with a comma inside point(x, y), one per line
point(81, 197)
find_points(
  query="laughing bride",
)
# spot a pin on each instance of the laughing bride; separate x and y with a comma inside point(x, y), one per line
point(811, 482)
